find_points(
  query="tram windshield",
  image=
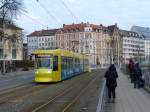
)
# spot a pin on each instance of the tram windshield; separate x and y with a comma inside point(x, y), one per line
point(44, 61)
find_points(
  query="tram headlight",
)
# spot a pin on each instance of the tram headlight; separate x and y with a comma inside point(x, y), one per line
point(49, 71)
point(36, 72)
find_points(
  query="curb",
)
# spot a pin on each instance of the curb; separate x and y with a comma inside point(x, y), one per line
point(16, 73)
point(101, 102)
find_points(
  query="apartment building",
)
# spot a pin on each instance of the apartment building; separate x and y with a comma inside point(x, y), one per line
point(88, 39)
point(133, 46)
point(11, 44)
point(147, 49)
point(43, 39)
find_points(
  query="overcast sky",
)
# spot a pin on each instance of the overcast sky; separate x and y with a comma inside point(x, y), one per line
point(107, 12)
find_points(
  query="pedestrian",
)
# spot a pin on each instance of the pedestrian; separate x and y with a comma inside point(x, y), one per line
point(111, 82)
point(130, 69)
point(137, 75)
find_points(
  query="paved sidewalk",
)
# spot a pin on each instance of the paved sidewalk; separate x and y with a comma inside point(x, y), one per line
point(129, 99)
point(13, 79)
point(10, 74)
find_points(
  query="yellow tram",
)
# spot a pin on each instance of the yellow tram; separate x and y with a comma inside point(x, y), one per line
point(57, 65)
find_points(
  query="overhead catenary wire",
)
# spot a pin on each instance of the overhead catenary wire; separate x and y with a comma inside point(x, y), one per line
point(69, 10)
point(34, 20)
point(48, 12)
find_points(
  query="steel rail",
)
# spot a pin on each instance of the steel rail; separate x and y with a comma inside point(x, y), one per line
point(78, 96)
point(57, 96)
point(11, 94)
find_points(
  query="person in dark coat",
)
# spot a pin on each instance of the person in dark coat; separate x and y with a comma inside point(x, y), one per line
point(111, 82)
point(137, 74)
point(131, 68)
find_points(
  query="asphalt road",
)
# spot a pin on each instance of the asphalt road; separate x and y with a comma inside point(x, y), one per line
point(9, 81)
point(77, 94)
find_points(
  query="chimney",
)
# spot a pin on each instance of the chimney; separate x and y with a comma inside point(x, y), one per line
point(101, 25)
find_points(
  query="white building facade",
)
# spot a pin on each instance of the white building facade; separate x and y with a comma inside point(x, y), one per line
point(44, 39)
point(147, 49)
point(133, 46)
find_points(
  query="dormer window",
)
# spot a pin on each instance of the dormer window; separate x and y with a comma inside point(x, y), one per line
point(87, 29)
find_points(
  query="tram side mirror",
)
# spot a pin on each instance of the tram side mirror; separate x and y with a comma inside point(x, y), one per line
point(55, 63)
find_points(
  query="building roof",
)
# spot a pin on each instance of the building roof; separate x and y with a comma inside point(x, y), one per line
point(50, 32)
point(125, 33)
point(141, 30)
point(78, 27)
point(112, 28)
point(9, 25)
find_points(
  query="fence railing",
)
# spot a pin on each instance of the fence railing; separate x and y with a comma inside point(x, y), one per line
point(146, 73)
point(102, 98)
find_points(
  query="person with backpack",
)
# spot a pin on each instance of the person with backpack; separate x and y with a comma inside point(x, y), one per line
point(137, 75)
point(111, 83)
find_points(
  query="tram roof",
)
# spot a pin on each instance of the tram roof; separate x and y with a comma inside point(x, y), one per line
point(57, 52)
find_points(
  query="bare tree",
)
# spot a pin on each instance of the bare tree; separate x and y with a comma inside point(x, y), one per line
point(9, 9)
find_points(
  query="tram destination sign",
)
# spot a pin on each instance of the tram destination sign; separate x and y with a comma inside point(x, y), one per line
point(43, 56)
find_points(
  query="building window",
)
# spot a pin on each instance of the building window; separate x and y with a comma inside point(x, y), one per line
point(1, 33)
point(1, 53)
point(14, 53)
point(1, 39)
point(49, 43)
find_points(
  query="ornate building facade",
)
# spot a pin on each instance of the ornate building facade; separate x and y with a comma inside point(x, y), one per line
point(95, 40)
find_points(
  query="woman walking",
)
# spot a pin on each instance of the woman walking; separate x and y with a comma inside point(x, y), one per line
point(111, 82)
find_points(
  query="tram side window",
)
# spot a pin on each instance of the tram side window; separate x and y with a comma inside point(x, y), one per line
point(63, 62)
point(79, 62)
point(67, 63)
point(70, 66)
point(55, 63)
point(76, 62)
point(71, 63)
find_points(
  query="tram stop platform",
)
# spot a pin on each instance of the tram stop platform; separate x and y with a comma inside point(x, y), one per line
point(128, 98)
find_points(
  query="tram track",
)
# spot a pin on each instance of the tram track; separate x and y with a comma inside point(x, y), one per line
point(51, 97)
point(14, 88)
point(78, 96)
point(19, 92)
point(71, 95)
